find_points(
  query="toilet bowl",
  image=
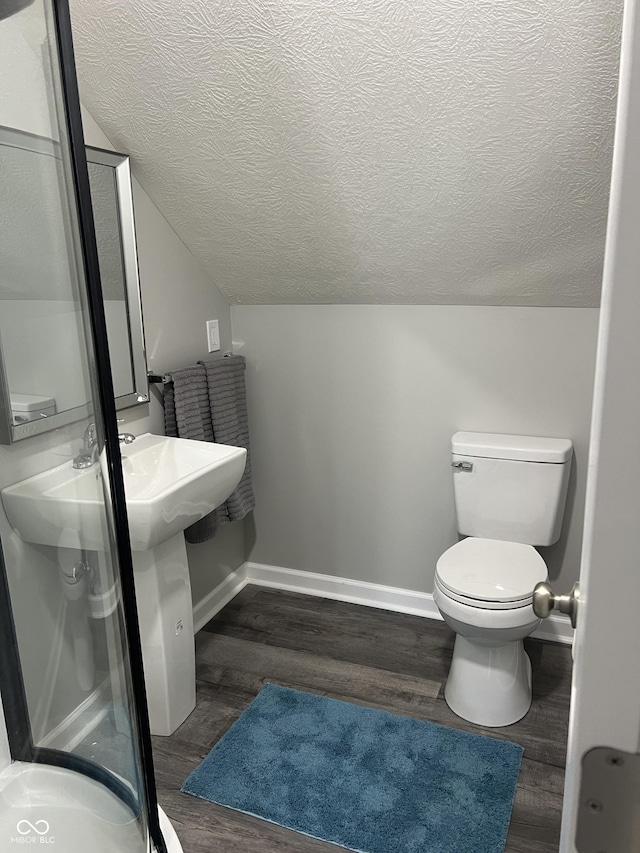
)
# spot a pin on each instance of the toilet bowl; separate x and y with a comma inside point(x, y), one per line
point(483, 589)
point(510, 493)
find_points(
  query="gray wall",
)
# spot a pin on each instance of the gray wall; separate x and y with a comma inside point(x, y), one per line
point(352, 409)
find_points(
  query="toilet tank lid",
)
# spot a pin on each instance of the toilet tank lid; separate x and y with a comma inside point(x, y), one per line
point(523, 448)
point(30, 402)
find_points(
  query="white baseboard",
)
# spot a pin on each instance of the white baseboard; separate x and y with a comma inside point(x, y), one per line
point(344, 589)
point(79, 724)
point(214, 602)
point(49, 684)
point(557, 628)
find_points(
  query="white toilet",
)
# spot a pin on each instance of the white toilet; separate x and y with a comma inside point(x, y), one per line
point(510, 492)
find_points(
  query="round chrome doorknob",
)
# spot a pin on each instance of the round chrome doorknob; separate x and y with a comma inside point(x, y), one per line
point(544, 602)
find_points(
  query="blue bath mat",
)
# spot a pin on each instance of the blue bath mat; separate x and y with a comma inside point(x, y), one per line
point(361, 778)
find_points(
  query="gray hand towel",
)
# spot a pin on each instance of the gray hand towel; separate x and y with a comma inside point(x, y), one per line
point(187, 413)
point(228, 401)
point(208, 402)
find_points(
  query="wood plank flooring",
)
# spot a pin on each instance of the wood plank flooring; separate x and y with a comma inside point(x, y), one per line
point(385, 660)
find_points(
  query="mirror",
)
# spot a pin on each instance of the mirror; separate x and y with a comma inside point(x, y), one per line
point(40, 310)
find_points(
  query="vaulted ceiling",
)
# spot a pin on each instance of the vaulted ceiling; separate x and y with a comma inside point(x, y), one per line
point(391, 151)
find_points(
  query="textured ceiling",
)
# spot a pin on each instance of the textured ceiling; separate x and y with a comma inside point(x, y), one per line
point(393, 151)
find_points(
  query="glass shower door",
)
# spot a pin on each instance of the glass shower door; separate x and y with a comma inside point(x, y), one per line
point(75, 759)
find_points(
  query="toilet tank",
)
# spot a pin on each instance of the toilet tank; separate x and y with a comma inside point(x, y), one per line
point(510, 487)
point(30, 407)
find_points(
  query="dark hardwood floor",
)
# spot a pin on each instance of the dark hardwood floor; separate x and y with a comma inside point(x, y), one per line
point(385, 660)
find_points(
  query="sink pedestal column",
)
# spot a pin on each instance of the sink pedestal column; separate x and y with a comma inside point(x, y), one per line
point(163, 593)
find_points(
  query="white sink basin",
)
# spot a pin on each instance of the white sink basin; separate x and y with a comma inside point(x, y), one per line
point(169, 483)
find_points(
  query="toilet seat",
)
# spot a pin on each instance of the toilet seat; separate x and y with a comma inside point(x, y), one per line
point(490, 573)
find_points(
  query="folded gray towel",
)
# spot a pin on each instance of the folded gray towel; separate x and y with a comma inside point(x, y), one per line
point(228, 401)
point(208, 402)
point(187, 413)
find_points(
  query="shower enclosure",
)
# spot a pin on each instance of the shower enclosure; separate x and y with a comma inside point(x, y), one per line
point(75, 754)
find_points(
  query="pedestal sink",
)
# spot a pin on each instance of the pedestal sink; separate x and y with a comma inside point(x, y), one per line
point(170, 483)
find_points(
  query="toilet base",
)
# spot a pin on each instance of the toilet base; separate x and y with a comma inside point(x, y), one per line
point(489, 685)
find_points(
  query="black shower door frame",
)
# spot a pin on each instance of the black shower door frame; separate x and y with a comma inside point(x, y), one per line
point(12, 689)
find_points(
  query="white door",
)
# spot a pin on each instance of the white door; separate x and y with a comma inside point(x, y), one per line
point(605, 707)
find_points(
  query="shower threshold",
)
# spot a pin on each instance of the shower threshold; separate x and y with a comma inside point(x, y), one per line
point(41, 806)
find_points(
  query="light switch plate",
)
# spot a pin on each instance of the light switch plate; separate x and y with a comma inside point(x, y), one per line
point(213, 335)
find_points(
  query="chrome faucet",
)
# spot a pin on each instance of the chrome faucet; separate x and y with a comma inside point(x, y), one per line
point(88, 455)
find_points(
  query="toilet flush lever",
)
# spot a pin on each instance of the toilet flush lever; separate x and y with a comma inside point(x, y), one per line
point(462, 466)
point(544, 601)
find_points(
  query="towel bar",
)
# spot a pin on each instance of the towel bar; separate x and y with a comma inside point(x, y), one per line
point(156, 379)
